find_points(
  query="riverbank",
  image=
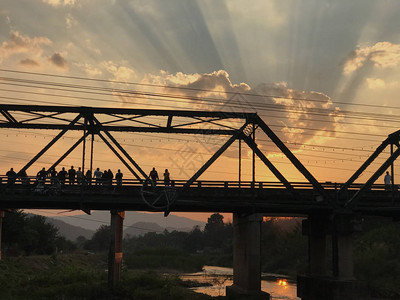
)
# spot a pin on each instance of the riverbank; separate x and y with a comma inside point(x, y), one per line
point(84, 276)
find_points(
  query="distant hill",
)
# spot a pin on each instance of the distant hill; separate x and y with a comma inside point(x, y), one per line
point(141, 228)
point(98, 218)
point(70, 232)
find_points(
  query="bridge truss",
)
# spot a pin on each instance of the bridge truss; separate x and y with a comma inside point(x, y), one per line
point(102, 122)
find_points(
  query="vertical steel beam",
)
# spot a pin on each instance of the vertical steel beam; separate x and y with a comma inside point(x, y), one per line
point(84, 145)
point(392, 166)
point(214, 157)
point(249, 141)
point(254, 155)
point(91, 154)
point(240, 161)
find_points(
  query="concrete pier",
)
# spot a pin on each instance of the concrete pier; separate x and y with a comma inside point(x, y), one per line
point(338, 283)
point(246, 258)
point(1, 227)
point(316, 229)
point(115, 250)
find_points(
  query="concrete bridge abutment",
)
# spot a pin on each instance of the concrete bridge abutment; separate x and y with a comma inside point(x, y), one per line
point(246, 258)
point(337, 283)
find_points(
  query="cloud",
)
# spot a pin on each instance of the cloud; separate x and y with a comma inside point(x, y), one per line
point(120, 73)
point(304, 116)
point(301, 116)
point(382, 55)
point(19, 43)
point(29, 62)
point(70, 21)
point(197, 85)
point(58, 61)
point(90, 70)
point(375, 83)
point(57, 3)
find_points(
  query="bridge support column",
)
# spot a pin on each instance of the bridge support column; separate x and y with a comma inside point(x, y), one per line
point(1, 228)
point(115, 251)
point(246, 258)
point(342, 285)
point(316, 228)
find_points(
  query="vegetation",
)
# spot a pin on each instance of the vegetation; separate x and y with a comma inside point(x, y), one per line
point(24, 234)
point(80, 276)
point(284, 251)
point(377, 257)
point(284, 248)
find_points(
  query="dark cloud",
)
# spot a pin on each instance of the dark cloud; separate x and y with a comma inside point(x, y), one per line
point(58, 60)
point(29, 62)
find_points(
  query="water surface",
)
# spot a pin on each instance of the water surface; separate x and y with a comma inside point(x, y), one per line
point(280, 288)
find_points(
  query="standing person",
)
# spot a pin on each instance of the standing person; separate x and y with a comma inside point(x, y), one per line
point(41, 175)
point(11, 176)
point(62, 175)
point(154, 176)
point(88, 177)
point(166, 177)
point(97, 175)
point(71, 175)
point(24, 177)
point(118, 177)
point(388, 181)
point(79, 175)
point(53, 176)
point(110, 177)
point(104, 177)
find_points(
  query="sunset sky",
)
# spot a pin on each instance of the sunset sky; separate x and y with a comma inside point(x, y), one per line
point(323, 74)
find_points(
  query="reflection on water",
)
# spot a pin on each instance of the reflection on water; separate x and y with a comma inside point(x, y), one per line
point(219, 278)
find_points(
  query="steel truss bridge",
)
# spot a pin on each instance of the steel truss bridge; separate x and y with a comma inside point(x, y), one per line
point(191, 195)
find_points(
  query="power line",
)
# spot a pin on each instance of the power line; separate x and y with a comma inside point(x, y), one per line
point(195, 89)
point(275, 106)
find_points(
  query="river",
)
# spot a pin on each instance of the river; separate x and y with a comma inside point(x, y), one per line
point(278, 286)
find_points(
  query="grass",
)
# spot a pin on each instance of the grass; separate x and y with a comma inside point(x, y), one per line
point(78, 276)
point(170, 259)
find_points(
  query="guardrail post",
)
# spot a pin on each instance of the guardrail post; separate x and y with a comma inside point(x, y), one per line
point(226, 184)
point(199, 184)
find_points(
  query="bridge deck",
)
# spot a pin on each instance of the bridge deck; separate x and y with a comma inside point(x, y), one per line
point(201, 196)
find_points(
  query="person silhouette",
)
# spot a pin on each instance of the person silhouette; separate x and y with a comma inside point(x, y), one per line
point(154, 176)
point(388, 181)
point(166, 177)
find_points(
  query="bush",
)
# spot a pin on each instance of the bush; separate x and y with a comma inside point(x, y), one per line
point(164, 259)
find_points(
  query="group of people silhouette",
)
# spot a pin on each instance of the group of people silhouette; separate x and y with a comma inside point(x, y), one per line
point(73, 176)
point(154, 177)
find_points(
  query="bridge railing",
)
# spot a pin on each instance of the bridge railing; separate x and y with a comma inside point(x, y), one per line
point(34, 181)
